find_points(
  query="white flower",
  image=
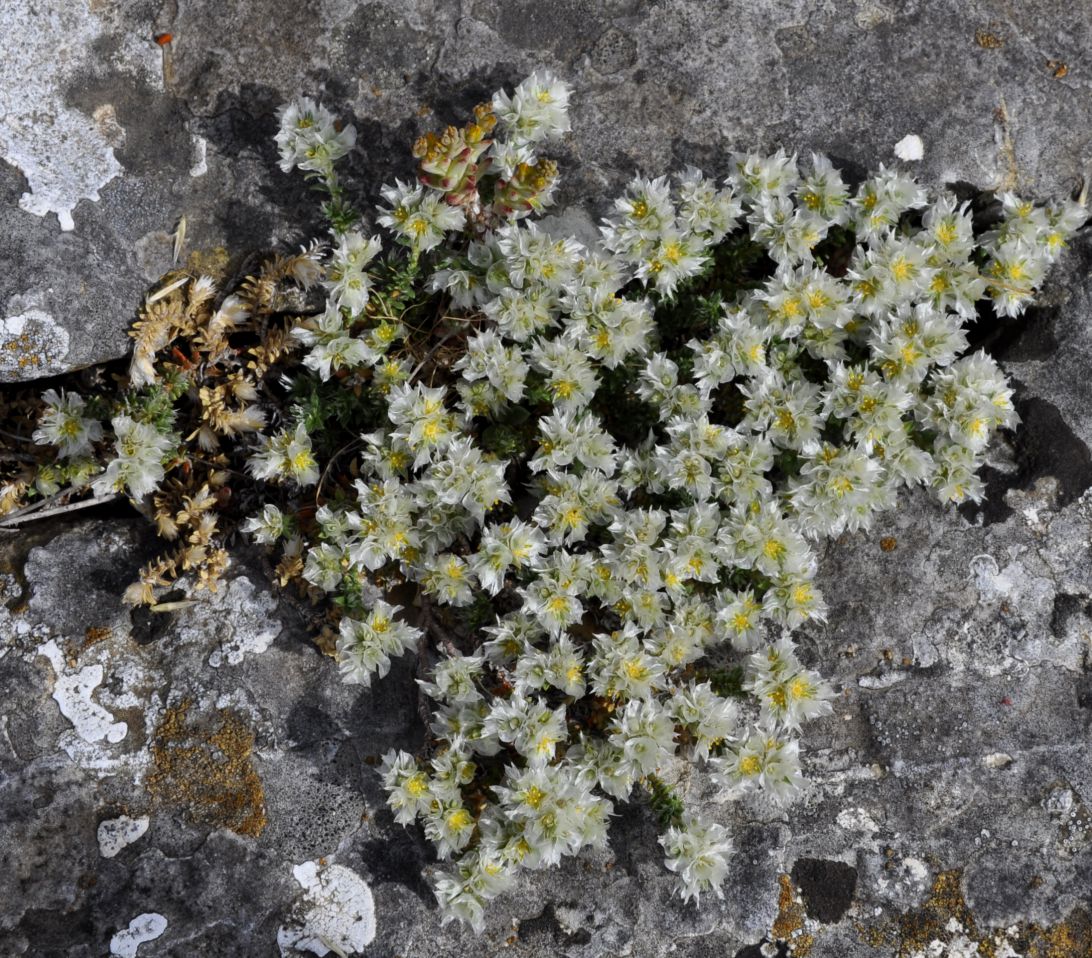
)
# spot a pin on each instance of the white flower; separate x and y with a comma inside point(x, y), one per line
point(408, 792)
point(537, 111)
point(419, 217)
point(63, 425)
point(267, 527)
point(366, 646)
point(309, 137)
point(286, 456)
point(766, 762)
point(138, 467)
point(645, 734)
point(697, 852)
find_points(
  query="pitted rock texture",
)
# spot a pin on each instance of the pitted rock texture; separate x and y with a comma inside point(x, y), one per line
point(950, 810)
point(108, 138)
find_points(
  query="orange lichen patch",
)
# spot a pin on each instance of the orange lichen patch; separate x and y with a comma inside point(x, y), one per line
point(988, 40)
point(74, 648)
point(94, 635)
point(945, 915)
point(204, 767)
point(789, 925)
point(1057, 69)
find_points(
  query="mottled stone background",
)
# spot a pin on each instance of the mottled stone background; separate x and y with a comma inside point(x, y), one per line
point(949, 813)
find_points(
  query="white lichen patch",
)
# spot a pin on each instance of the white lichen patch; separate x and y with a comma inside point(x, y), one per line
point(72, 691)
point(116, 833)
point(143, 928)
point(238, 620)
point(910, 148)
point(857, 820)
point(65, 154)
point(990, 581)
point(336, 914)
point(32, 344)
point(200, 157)
point(884, 681)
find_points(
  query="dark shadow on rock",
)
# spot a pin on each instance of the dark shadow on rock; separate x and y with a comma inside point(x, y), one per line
point(755, 951)
point(633, 835)
point(148, 626)
point(1065, 609)
point(546, 926)
point(55, 932)
point(826, 887)
point(156, 140)
point(1030, 336)
point(400, 856)
point(1045, 446)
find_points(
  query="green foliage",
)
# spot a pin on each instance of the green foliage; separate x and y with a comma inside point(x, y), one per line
point(663, 801)
point(728, 682)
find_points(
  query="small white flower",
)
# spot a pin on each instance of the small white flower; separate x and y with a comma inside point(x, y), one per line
point(64, 425)
point(697, 852)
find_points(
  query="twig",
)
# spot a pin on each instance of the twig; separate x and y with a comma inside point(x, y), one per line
point(329, 464)
point(22, 516)
point(172, 606)
point(421, 665)
point(166, 290)
point(35, 506)
point(432, 352)
point(433, 626)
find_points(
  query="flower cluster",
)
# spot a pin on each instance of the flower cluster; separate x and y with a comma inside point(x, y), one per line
point(595, 477)
point(311, 138)
point(620, 561)
point(140, 449)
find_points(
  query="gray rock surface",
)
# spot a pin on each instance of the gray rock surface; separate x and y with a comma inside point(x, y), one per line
point(107, 138)
point(950, 811)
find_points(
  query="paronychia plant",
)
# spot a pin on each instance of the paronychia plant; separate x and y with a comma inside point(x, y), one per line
point(594, 477)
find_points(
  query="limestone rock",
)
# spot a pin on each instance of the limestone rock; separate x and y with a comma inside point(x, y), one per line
point(109, 138)
point(951, 796)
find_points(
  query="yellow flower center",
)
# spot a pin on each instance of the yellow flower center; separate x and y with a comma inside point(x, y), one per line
point(459, 820)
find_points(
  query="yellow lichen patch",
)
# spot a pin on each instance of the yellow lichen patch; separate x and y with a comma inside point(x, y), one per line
point(31, 344)
point(945, 916)
point(789, 924)
point(204, 768)
point(212, 262)
point(1069, 938)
